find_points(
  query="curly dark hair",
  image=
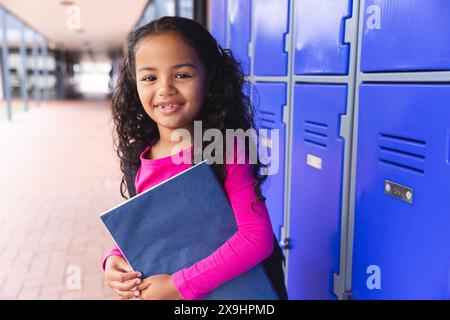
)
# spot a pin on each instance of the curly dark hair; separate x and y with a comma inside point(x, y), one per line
point(226, 106)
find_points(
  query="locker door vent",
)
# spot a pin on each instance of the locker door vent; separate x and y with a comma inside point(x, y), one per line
point(316, 133)
point(402, 152)
point(268, 119)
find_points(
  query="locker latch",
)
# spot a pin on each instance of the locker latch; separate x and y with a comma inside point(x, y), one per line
point(285, 244)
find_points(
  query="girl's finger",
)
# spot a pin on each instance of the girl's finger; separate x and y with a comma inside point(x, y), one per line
point(127, 285)
point(123, 266)
point(128, 294)
point(118, 263)
point(124, 276)
point(144, 285)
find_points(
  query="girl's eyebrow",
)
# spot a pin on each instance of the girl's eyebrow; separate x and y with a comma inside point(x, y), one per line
point(184, 65)
point(174, 67)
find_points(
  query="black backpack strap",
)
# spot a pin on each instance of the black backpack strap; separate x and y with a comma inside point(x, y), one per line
point(130, 176)
point(274, 268)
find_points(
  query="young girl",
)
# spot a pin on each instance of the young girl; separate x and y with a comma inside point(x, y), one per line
point(174, 74)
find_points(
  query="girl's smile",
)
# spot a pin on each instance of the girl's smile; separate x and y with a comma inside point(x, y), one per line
point(169, 107)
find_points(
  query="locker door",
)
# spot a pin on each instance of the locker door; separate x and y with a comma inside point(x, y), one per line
point(316, 187)
point(239, 15)
point(406, 35)
point(269, 100)
point(270, 57)
point(218, 21)
point(319, 36)
point(402, 213)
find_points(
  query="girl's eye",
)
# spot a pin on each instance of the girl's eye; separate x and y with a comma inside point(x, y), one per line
point(182, 76)
point(149, 78)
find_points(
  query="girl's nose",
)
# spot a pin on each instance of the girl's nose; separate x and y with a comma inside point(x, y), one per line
point(166, 88)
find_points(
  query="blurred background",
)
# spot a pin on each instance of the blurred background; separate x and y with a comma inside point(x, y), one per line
point(60, 61)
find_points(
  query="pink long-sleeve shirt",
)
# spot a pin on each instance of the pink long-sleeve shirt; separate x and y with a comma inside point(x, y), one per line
point(250, 245)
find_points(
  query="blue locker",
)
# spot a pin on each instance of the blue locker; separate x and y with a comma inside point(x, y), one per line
point(270, 58)
point(218, 21)
point(406, 35)
point(319, 37)
point(239, 16)
point(401, 242)
point(316, 188)
point(269, 100)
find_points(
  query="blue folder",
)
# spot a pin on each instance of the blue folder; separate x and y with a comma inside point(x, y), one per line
point(179, 222)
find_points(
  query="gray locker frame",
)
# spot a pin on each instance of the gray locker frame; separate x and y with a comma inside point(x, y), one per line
point(345, 133)
point(379, 77)
point(340, 280)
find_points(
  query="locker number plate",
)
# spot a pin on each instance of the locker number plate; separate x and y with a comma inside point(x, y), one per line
point(398, 191)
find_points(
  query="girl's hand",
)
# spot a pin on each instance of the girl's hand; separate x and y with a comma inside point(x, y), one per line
point(158, 287)
point(120, 277)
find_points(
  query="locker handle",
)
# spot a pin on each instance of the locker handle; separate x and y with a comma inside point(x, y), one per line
point(347, 30)
point(250, 49)
point(285, 114)
point(287, 42)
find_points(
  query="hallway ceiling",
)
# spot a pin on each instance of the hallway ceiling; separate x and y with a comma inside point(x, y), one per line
point(98, 26)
